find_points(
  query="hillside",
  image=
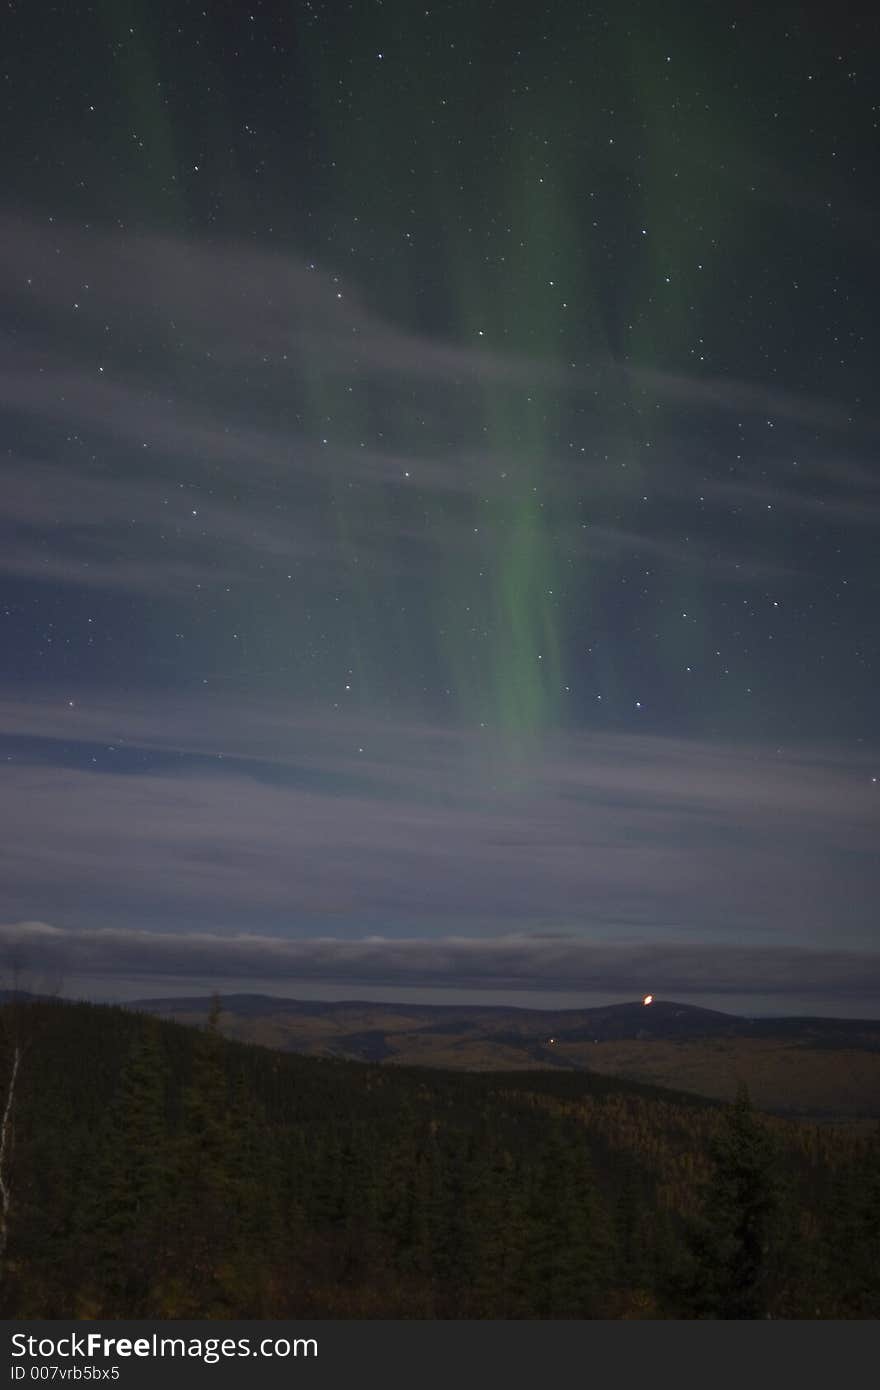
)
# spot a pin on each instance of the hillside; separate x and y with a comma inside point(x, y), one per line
point(815, 1068)
point(162, 1171)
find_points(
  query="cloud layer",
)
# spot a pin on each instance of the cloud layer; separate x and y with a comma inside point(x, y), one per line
point(311, 833)
point(504, 963)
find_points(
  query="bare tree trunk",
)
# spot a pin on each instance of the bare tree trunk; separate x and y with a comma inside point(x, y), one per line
point(5, 1152)
point(16, 1021)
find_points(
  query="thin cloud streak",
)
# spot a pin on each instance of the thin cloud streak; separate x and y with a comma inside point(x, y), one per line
point(281, 821)
point(205, 315)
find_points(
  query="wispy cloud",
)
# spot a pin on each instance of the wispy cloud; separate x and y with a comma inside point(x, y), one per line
point(231, 304)
point(127, 478)
point(287, 820)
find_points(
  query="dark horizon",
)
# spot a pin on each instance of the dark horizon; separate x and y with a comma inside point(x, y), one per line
point(525, 1001)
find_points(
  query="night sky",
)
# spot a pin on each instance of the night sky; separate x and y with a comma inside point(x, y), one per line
point(440, 503)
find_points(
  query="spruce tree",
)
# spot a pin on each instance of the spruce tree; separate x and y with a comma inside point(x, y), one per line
point(207, 1218)
point(566, 1251)
point(732, 1241)
point(852, 1244)
point(126, 1212)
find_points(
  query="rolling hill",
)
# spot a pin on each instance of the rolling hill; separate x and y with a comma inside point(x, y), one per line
point(158, 1170)
point(815, 1068)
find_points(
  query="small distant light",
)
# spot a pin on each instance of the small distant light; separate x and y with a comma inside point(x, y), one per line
point(648, 999)
point(551, 1040)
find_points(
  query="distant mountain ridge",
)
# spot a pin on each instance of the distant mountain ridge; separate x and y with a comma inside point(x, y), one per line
point(631, 1019)
point(818, 1068)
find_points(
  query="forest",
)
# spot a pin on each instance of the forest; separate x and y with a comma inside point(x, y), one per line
point(153, 1170)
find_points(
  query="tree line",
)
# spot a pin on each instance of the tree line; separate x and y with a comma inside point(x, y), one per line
point(152, 1170)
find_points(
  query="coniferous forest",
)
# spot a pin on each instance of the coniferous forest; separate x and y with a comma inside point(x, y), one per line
point(150, 1170)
